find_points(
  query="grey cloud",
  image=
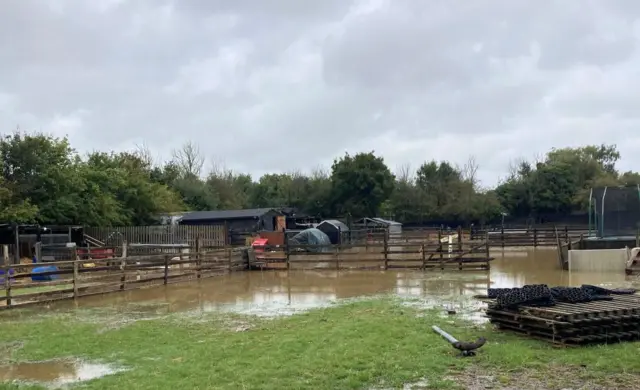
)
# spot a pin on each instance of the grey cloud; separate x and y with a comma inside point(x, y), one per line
point(305, 80)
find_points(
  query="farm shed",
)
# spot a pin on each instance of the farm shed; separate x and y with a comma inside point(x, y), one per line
point(393, 227)
point(247, 220)
point(334, 229)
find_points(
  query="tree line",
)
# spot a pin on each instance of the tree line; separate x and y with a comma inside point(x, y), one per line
point(44, 180)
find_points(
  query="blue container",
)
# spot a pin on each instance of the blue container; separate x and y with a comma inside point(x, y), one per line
point(44, 278)
point(11, 273)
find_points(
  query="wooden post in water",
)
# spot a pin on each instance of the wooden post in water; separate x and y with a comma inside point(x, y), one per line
point(167, 258)
point(337, 255)
point(459, 238)
point(535, 237)
point(386, 249)
point(125, 250)
point(229, 254)
point(75, 278)
point(198, 258)
point(286, 251)
point(502, 235)
point(440, 248)
point(487, 253)
point(566, 234)
point(123, 275)
point(424, 257)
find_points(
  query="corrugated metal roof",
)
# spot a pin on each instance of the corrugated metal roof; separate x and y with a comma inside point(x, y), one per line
point(381, 221)
point(226, 214)
point(387, 221)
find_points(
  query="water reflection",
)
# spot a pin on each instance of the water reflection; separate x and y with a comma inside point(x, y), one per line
point(55, 373)
point(259, 292)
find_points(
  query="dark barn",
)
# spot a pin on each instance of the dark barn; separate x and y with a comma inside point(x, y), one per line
point(248, 220)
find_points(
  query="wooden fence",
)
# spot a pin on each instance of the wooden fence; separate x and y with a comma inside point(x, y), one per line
point(378, 254)
point(535, 237)
point(81, 278)
point(211, 236)
point(502, 238)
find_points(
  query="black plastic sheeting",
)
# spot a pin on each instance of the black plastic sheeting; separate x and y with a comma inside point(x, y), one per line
point(312, 236)
point(543, 295)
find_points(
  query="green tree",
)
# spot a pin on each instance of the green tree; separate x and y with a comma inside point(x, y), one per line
point(360, 184)
point(141, 199)
point(42, 169)
point(14, 210)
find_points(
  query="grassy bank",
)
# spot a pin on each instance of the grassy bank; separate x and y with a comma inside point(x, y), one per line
point(370, 344)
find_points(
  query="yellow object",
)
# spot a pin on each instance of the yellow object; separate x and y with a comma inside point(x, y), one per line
point(88, 265)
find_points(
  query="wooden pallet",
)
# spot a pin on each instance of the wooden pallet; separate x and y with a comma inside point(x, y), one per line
point(573, 324)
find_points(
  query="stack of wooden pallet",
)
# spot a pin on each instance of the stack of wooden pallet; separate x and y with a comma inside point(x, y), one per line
point(573, 323)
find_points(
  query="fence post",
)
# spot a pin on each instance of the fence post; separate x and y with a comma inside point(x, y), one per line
point(488, 256)
point(502, 235)
point(386, 249)
point(535, 237)
point(75, 279)
point(337, 254)
point(440, 248)
point(198, 260)
point(566, 233)
point(286, 251)
point(459, 238)
point(38, 250)
point(166, 268)
point(123, 277)
point(7, 284)
point(229, 251)
point(424, 257)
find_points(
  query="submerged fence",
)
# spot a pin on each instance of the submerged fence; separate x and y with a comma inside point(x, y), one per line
point(503, 238)
point(23, 284)
point(379, 251)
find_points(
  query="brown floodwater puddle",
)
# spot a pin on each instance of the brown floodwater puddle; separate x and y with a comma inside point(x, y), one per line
point(271, 293)
point(55, 373)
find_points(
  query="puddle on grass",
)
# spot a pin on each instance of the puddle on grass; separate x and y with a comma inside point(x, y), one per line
point(275, 293)
point(55, 373)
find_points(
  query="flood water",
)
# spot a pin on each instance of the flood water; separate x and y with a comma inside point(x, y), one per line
point(273, 293)
point(54, 373)
point(282, 292)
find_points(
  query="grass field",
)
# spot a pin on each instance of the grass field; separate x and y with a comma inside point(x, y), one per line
point(372, 344)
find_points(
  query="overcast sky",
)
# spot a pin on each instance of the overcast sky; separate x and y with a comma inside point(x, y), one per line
point(277, 85)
